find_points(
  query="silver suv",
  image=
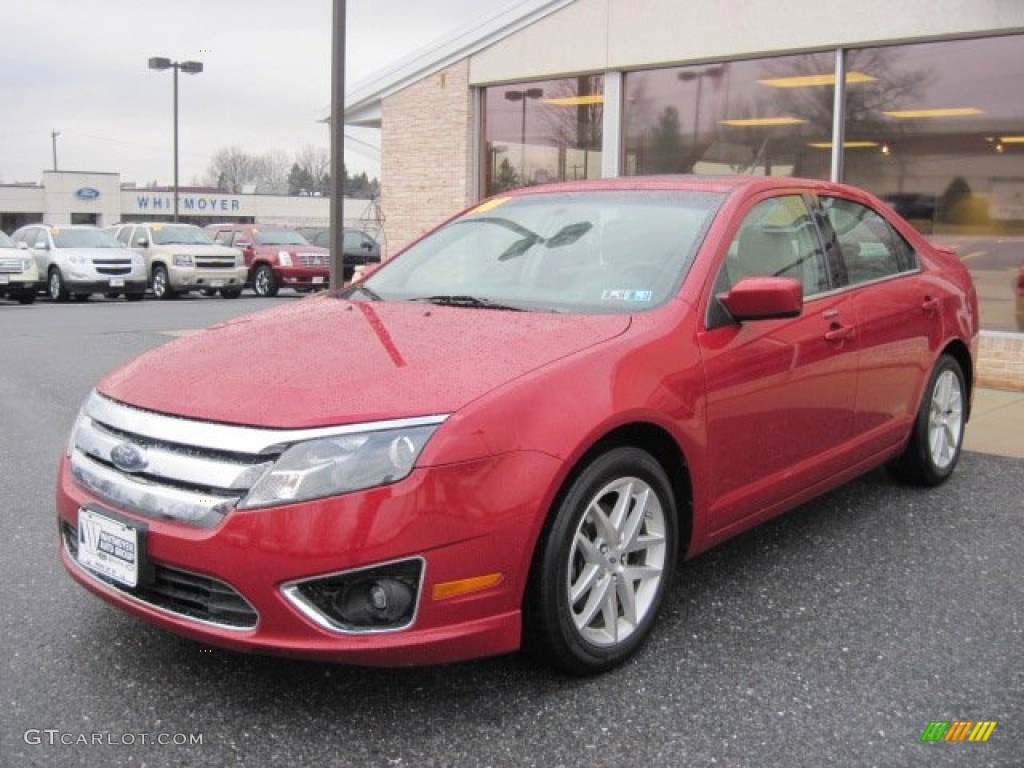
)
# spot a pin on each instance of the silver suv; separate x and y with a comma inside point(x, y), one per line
point(182, 258)
point(18, 272)
point(80, 260)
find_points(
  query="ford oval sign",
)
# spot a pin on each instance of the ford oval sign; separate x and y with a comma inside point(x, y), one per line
point(87, 193)
point(128, 457)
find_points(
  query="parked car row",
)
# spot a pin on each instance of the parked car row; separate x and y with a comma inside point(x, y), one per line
point(171, 259)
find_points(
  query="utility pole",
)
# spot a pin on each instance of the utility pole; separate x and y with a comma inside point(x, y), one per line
point(54, 135)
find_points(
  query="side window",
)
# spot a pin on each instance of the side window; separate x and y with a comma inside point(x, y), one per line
point(351, 242)
point(871, 249)
point(223, 237)
point(38, 239)
point(123, 234)
point(777, 238)
point(140, 234)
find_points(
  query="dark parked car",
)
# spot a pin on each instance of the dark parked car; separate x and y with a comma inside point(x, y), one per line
point(519, 426)
point(360, 247)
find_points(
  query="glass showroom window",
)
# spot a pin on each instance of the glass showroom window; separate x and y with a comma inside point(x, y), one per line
point(768, 117)
point(542, 131)
point(940, 128)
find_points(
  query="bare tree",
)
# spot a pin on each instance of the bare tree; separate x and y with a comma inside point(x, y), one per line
point(271, 172)
point(316, 161)
point(231, 169)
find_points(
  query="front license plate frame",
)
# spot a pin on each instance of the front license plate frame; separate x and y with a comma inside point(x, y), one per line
point(318, 280)
point(117, 282)
point(109, 547)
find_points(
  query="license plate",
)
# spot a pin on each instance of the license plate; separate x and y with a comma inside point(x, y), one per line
point(216, 283)
point(108, 547)
point(4, 279)
point(117, 282)
point(317, 280)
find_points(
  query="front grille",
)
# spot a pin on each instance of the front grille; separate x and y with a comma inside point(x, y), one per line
point(314, 259)
point(114, 270)
point(215, 263)
point(181, 592)
point(11, 264)
point(112, 266)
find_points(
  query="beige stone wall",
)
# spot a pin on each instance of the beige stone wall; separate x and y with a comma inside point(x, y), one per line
point(426, 167)
point(1001, 361)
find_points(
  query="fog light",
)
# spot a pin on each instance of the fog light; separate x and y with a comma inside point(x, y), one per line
point(380, 598)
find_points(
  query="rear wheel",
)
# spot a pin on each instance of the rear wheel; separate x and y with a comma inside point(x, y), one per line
point(603, 567)
point(938, 432)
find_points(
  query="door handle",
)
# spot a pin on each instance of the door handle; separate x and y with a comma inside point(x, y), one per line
point(930, 305)
point(839, 332)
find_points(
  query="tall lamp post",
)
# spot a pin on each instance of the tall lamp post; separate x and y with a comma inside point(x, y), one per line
point(190, 68)
point(524, 96)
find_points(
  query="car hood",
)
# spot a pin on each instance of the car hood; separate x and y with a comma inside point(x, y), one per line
point(325, 361)
point(194, 249)
point(94, 253)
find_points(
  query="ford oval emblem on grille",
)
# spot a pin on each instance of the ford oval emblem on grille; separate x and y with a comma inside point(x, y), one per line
point(129, 458)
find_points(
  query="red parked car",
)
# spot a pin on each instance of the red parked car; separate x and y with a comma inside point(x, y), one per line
point(277, 258)
point(517, 427)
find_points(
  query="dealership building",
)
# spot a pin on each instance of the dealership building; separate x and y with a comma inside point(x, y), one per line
point(928, 115)
point(75, 197)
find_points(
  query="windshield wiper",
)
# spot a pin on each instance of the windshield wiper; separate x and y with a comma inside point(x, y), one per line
point(466, 301)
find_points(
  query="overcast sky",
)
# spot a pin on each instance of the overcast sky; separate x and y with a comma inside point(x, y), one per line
point(80, 67)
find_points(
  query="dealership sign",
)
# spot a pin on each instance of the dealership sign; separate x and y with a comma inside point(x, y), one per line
point(87, 193)
point(208, 204)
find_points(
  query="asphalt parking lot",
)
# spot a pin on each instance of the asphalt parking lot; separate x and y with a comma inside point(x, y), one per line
point(832, 636)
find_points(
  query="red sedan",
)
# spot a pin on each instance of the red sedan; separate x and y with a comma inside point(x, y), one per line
point(519, 426)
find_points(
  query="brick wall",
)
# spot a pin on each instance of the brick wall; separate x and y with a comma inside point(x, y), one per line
point(1001, 361)
point(426, 165)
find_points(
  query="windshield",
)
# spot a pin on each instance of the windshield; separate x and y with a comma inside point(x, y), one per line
point(84, 238)
point(278, 237)
point(5, 241)
point(580, 252)
point(179, 234)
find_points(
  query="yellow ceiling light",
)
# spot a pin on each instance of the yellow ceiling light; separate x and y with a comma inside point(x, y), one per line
point(761, 121)
point(910, 114)
point(576, 101)
point(809, 81)
point(846, 144)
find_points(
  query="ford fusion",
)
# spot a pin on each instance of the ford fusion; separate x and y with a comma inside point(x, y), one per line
point(511, 433)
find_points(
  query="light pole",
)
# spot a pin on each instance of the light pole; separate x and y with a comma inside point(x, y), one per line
point(523, 96)
point(687, 76)
point(188, 67)
point(54, 135)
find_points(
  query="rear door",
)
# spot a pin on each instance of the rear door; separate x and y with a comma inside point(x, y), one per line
point(898, 317)
point(780, 393)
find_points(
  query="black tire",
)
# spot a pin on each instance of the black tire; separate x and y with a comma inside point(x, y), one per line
point(162, 284)
point(264, 283)
point(938, 432)
point(230, 293)
point(578, 550)
point(55, 286)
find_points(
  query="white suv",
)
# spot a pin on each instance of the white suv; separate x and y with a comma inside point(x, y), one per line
point(18, 272)
point(182, 258)
point(80, 260)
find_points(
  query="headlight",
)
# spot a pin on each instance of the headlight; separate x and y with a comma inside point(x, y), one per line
point(75, 258)
point(182, 260)
point(336, 465)
point(284, 258)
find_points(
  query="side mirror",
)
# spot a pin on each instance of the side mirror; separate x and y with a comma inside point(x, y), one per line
point(142, 243)
point(764, 298)
point(22, 245)
point(243, 244)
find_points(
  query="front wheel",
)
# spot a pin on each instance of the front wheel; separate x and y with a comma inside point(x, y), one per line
point(602, 568)
point(263, 282)
point(162, 283)
point(938, 431)
point(56, 287)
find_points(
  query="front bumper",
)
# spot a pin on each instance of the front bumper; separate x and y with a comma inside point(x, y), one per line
point(198, 278)
point(462, 521)
point(106, 285)
point(303, 277)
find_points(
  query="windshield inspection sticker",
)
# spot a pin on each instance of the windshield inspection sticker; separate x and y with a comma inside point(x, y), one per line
point(625, 295)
